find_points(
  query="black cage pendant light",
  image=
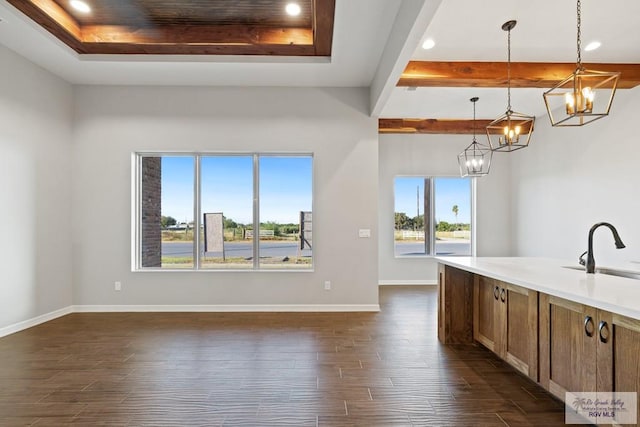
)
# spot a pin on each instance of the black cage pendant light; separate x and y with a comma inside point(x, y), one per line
point(475, 160)
point(584, 96)
point(511, 131)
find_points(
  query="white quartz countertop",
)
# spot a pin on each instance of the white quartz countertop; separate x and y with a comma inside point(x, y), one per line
point(615, 294)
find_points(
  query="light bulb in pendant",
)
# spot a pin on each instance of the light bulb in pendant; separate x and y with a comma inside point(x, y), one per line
point(588, 96)
point(570, 103)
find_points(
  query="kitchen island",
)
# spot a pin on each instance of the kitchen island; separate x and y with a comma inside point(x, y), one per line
point(559, 278)
point(565, 329)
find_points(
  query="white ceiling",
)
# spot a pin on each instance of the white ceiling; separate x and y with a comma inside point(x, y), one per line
point(464, 30)
point(470, 30)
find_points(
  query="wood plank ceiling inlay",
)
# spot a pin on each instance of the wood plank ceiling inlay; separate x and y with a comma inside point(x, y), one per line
point(206, 27)
point(156, 13)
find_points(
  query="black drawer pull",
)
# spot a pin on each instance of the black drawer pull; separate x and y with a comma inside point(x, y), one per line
point(503, 295)
point(496, 292)
point(588, 326)
point(602, 326)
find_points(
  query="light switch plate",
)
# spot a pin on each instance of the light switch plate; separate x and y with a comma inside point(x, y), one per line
point(364, 233)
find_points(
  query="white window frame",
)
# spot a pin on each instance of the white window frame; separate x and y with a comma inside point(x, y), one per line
point(136, 203)
point(432, 231)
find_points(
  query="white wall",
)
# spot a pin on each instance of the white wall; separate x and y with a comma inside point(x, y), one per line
point(35, 199)
point(570, 178)
point(113, 122)
point(421, 155)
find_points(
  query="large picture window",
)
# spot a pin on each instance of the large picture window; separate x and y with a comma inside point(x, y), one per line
point(223, 212)
point(433, 216)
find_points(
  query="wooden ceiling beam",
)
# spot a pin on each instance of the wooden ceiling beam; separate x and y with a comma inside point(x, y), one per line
point(494, 74)
point(434, 126)
point(323, 13)
point(198, 34)
point(49, 15)
point(431, 126)
point(196, 49)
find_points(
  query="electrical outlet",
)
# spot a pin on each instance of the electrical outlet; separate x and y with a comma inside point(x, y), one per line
point(327, 285)
point(118, 286)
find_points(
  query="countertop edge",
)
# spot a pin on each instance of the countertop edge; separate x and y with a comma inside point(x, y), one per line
point(546, 288)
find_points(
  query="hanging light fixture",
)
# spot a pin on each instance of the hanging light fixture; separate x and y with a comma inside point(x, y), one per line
point(582, 97)
point(511, 131)
point(475, 160)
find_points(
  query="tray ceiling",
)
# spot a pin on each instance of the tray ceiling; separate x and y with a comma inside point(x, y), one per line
point(189, 27)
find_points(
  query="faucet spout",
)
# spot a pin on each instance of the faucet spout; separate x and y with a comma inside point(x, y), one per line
point(591, 262)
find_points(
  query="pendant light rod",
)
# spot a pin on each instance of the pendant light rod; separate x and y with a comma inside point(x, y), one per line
point(508, 26)
point(578, 41)
point(474, 100)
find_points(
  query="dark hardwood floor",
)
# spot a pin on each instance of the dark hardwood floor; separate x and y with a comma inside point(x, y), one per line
point(262, 369)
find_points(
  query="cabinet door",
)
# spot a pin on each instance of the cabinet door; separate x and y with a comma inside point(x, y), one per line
point(520, 336)
point(505, 320)
point(455, 305)
point(567, 346)
point(486, 293)
point(617, 354)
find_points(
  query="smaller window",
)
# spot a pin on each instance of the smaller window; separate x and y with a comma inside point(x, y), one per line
point(433, 216)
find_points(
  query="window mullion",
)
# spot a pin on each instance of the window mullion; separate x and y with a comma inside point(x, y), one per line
point(427, 201)
point(432, 214)
point(256, 212)
point(196, 214)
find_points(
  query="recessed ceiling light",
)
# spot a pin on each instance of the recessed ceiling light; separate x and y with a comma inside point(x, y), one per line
point(428, 44)
point(592, 46)
point(293, 9)
point(80, 6)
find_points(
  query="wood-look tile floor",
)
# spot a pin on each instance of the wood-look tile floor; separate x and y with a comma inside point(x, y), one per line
point(262, 369)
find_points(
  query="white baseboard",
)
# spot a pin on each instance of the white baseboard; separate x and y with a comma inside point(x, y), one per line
point(407, 282)
point(29, 323)
point(228, 308)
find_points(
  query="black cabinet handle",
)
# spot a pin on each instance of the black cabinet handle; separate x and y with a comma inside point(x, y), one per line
point(588, 326)
point(602, 326)
point(503, 295)
point(496, 292)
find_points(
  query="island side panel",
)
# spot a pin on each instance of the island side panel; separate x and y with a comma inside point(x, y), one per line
point(455, 305)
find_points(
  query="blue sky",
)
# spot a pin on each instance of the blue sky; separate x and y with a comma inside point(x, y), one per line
point(227, 187)
point(449, 192)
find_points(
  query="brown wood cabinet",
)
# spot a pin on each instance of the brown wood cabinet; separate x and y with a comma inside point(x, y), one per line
point(506, 322)
point(567, 346)
point(564, 345)
point(455, 305)
point(586, 349)
point(618, 354)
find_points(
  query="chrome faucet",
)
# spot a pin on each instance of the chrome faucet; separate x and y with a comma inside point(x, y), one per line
point(591, 262)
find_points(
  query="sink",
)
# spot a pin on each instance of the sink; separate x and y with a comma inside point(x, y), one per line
point(608, 271)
